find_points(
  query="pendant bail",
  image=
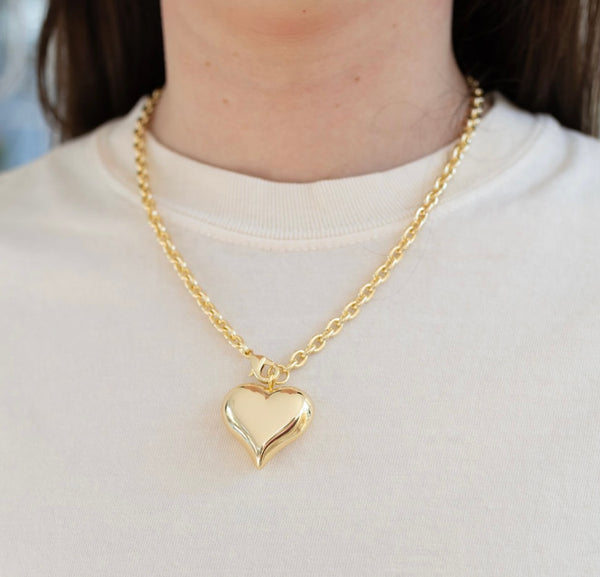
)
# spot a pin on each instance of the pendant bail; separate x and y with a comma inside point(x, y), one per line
point(274, 371)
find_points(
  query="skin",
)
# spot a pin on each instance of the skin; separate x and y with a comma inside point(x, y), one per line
point(304, 90)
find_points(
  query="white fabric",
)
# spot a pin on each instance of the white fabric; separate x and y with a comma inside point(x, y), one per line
point(457, 419)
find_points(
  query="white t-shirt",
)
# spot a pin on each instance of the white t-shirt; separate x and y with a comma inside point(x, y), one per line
point(456, 427)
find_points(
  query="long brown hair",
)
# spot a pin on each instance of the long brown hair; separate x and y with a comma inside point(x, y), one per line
point(103, 55)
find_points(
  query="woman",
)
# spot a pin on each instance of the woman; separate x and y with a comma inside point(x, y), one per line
point(450, 429)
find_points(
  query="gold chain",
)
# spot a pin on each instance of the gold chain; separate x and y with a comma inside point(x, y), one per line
point(334, 326)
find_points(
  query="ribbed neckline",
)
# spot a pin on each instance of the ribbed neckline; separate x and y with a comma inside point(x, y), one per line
point(246, 209)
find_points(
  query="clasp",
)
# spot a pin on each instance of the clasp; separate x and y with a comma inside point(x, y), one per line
point(274, 371)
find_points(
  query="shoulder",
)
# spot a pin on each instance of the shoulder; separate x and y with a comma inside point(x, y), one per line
point(548, 200)
point(529, 159)
point(572, 157)
point(540, 138)
point(563, 172)
point(66, 189)
point(77, 173)
point(39, 184)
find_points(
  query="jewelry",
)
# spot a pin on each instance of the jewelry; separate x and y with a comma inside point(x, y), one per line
point(266, 416)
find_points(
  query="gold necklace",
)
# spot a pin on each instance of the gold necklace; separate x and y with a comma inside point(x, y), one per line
point(266, 416)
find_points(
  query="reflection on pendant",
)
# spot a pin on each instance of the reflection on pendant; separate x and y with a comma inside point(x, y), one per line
point(264, 421)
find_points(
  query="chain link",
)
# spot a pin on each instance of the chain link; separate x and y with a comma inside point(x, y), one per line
point(351, 310)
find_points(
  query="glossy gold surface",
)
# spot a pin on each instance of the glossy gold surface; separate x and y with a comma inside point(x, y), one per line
point(267, 418)
point(264, 420)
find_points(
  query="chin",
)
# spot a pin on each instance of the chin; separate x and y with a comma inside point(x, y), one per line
point(289, 18)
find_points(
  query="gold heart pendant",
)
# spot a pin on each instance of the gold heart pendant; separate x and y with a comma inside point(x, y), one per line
point(266, 421)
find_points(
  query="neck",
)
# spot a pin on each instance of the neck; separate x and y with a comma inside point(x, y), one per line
point(304, 91)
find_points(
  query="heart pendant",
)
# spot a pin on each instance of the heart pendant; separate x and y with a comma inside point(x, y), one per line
point(266, 421)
